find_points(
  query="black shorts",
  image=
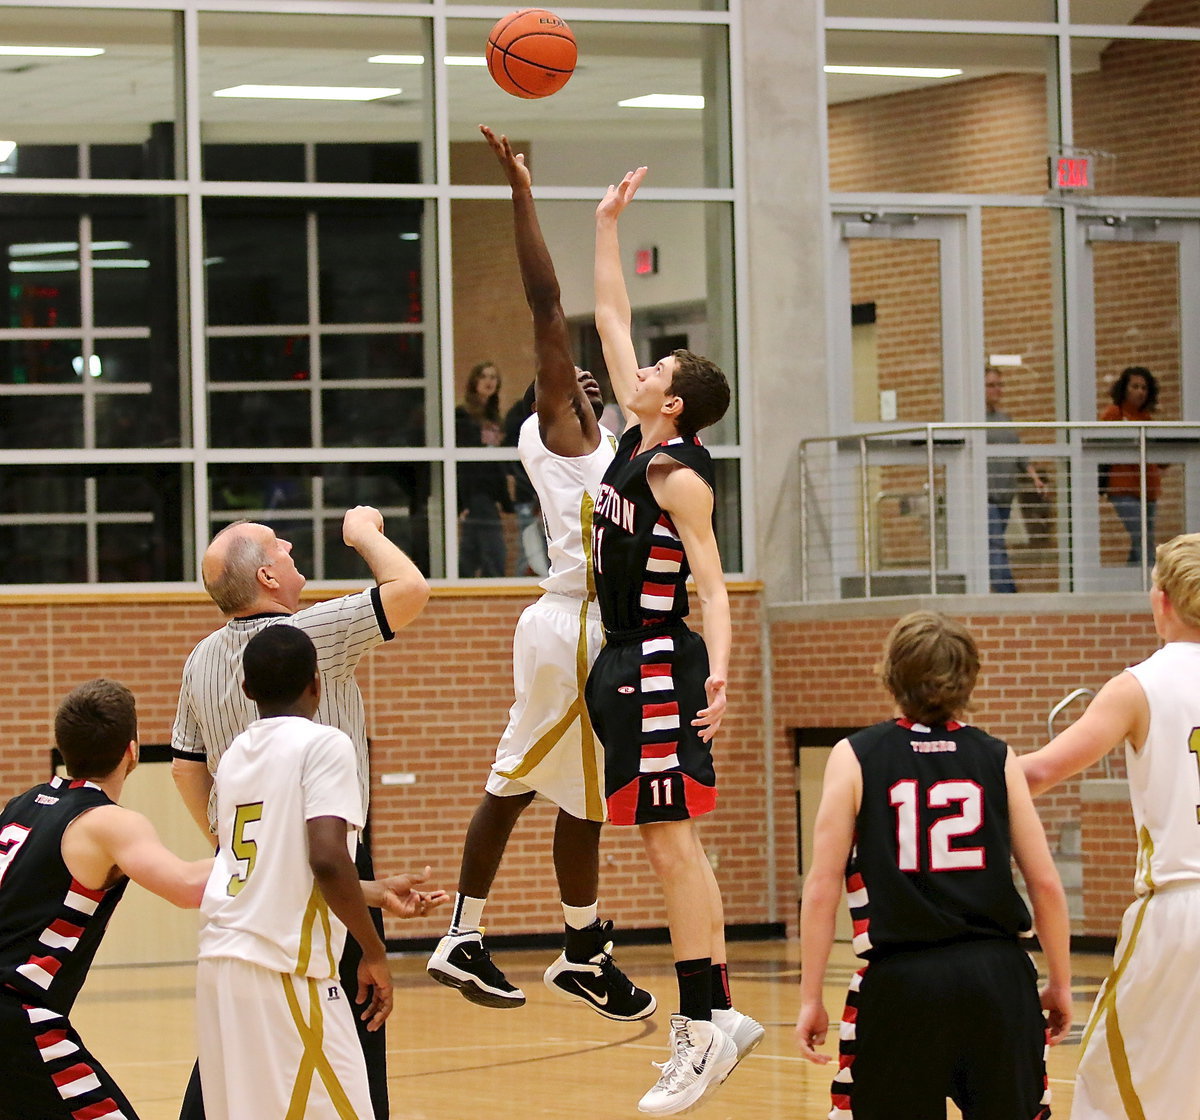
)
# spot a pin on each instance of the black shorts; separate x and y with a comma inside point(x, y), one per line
point(962, 1021)
point(48, 1072)
point(642, 695)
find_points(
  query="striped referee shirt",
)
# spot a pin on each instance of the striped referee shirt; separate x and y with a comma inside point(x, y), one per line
point(213, 709)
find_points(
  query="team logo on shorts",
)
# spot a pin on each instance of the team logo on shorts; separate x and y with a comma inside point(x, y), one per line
point(333, 992)
point(627, 690)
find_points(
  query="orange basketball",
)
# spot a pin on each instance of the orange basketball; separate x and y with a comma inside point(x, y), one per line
point(531, 53)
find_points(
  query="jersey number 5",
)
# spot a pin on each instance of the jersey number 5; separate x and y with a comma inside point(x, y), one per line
point(1194, 747)
point(942, 855)
point(243, 848)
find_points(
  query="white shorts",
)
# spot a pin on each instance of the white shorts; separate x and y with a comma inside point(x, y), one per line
point(1140, 1041)
point(273, 1044)
point(549, 745)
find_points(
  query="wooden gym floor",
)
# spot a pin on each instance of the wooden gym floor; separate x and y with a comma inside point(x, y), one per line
point(451, 1060)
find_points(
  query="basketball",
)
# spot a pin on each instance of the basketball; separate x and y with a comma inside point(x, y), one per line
point(531, 53)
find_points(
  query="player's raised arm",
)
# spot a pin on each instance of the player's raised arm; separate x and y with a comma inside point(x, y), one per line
point(403, 590)
point(614, 316)
point(565, 417)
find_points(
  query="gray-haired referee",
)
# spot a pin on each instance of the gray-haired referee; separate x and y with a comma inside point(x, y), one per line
point(250, 574)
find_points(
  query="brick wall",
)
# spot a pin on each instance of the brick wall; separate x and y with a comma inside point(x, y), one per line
point(825, 675)
point(437, 698)
point(1108, 838)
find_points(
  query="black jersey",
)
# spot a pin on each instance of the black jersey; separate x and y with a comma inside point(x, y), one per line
point(931, 862)
point(50, 925)
point(640, 566)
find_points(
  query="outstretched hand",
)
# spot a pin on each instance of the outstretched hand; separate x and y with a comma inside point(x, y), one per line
point(617, 198)
point(709, 719)
point(400, 895)
point(512, 162)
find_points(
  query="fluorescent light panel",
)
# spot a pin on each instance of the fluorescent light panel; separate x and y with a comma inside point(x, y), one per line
point(663, 101)
point(307, 93)
point(419, 59)
point(7, 147)
point(895, 71)
point(53, 52)
point(34, 248)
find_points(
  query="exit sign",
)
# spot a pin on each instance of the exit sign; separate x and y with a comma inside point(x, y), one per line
point(1071, 173)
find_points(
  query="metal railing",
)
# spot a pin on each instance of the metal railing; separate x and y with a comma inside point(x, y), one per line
point(905, 510)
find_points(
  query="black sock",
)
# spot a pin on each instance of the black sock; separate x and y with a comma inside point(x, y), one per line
point(695, 988)
point(721, 999)
point(580, 945)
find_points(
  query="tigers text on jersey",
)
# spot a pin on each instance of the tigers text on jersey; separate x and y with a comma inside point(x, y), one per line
point(931, 861)
point(641, 568)
point(262, 903)
point(566, 487)
point(1164, 776)
point(50, 925)
point(213, 708)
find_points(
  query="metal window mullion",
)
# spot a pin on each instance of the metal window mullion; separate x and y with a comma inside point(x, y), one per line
point(189, 109)
point(86, 338)
point(932, 512)
point(90, 530)
point(864, 489)
point(313, 266)
point(317, 520)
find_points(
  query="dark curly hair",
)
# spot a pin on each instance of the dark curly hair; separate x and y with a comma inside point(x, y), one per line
point(1121, 386)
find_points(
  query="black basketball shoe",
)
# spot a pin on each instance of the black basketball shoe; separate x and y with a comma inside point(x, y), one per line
point(597, 981)
point(461, 961)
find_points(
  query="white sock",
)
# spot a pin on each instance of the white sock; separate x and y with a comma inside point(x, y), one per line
point(468, 914)
point(580, 917)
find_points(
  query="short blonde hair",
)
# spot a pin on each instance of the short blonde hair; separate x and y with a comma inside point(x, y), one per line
point(930, 664)
point(1177, 575)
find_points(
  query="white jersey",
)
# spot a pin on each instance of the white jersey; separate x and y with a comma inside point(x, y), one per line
point(566, 487)
point(261, 903)
point(1164, 776)
point(213, 708)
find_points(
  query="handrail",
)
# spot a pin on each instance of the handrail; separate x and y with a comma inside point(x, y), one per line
point(1065, 702)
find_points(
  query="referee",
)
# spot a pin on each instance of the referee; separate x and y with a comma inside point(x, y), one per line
point(251, 576)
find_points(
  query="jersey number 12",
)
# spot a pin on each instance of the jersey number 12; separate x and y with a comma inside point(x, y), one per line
point(941, 855)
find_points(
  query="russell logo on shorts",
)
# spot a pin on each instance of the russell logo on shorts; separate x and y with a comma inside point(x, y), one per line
point(627, 690)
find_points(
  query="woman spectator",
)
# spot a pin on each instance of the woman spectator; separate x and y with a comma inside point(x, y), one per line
point(482, 487)
point(1135, 397)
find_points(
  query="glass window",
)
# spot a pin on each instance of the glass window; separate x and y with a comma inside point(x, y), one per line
point(350, 371)
point(293, 98)
point(63, 365)
point(1007, 10)
point(685, 302)
point(102, 105)
point(984, 127)
point(583, 134)
point(87, 524)
point(1126, 119)
point(305, 503)
point(1136, 13)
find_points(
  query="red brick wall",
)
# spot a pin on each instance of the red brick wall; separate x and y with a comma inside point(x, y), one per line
point(1109, 840)
point(437, 698)
point(826, 676)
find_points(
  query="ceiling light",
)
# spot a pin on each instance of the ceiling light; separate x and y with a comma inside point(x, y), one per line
point(308, 93)
point(465, 60)
point(7, 147)
point(398, 59)
point(54, 52)
point(895, 71)
point(663, 101)
point(34, 248)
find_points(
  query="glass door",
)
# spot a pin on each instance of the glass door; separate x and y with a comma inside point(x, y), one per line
point(1137, 357)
